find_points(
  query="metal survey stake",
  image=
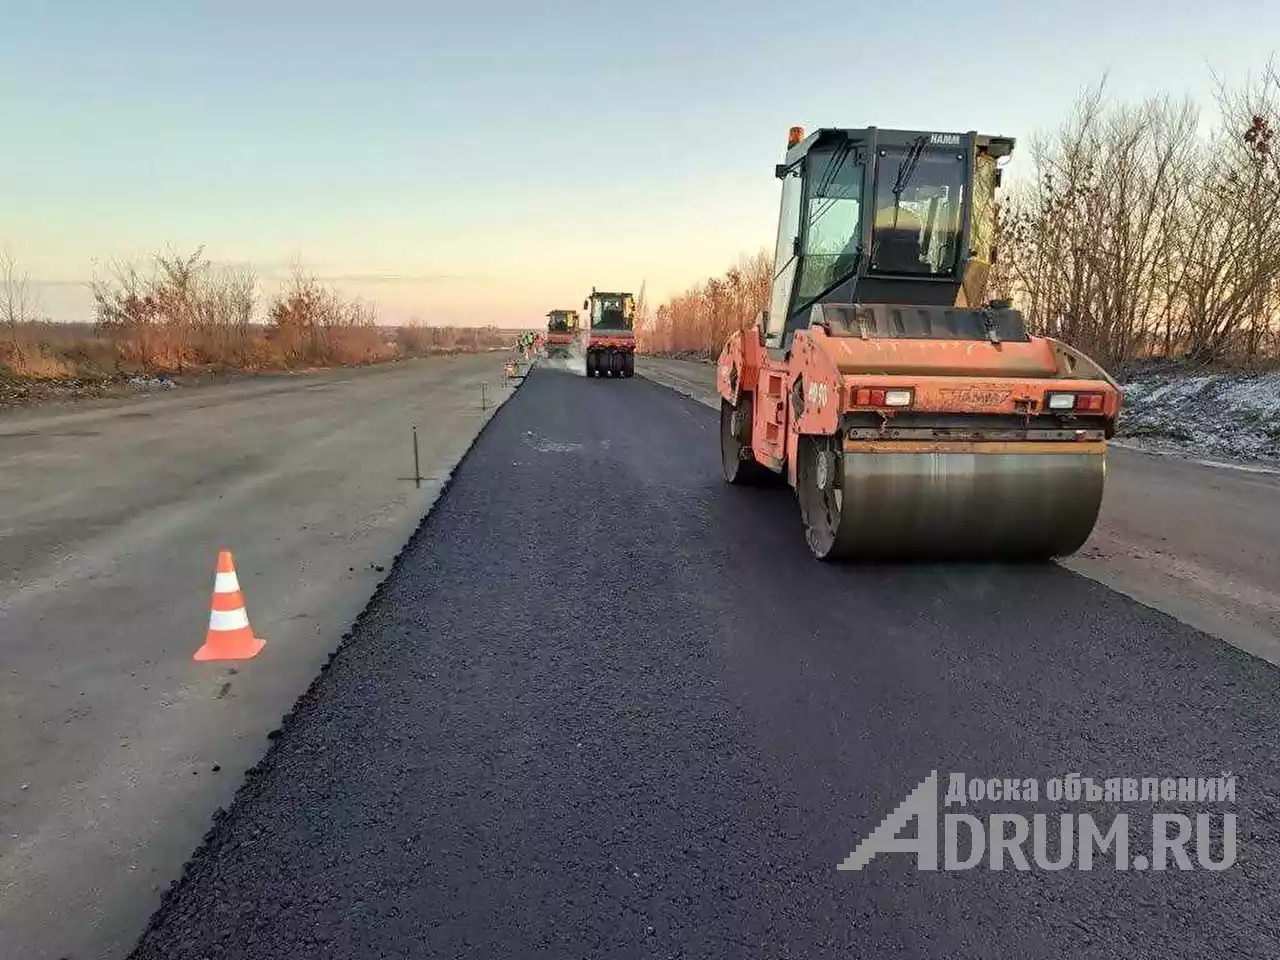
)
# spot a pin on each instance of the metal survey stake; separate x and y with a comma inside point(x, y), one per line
point(417, 473)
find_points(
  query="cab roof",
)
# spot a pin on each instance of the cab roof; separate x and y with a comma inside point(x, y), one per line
point(994, 145)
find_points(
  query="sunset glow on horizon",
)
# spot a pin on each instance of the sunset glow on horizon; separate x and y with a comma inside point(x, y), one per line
point(467, 166)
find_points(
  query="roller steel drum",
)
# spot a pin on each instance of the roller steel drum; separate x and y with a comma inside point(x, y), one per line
point(950, 505)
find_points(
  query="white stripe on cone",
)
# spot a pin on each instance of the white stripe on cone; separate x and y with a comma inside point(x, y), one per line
point(228, 619)
point(226, 583)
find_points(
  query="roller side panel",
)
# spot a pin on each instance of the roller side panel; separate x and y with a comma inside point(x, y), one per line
point(738, 368)
point(818, 395)
point(772, 406)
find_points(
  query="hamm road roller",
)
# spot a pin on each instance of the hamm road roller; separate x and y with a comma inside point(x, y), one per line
point(913, 417)
point(611, 341)
point(562, 333)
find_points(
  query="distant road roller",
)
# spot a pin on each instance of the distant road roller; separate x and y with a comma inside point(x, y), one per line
point(913, 417)
point(611, 339)
point(562, 333)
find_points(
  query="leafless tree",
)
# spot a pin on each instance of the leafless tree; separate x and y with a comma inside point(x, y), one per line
point(177, 310)
point(1089, 236)
point(17, 302)
point(1229, 269)
point(700, 319)
point(1137, 234)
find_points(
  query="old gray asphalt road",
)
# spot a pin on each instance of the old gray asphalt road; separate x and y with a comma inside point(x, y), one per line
point(607, 706)
point(115, 747)
point(1200, 543)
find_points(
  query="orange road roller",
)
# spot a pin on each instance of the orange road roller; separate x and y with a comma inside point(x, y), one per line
point(913, 417)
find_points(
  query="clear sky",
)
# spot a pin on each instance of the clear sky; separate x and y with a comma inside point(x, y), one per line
point(474, 162)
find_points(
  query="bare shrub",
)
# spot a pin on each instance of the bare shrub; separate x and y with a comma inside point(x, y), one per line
point(176, 312)
point(17, 302)
point(311, 323)
point(420, 340)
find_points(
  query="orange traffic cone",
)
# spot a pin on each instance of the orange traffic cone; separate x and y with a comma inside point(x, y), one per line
point(230, 637)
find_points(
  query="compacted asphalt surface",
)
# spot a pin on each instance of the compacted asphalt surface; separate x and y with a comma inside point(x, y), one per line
point(606, 706)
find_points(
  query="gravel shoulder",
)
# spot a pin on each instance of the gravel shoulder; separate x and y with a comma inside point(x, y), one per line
point(117, 747)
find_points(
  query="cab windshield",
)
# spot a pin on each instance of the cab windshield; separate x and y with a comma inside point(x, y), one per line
point(558, 324)
point(919, 197)
point(607, 314)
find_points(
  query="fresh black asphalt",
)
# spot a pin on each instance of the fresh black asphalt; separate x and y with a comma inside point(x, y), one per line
point(606, 706)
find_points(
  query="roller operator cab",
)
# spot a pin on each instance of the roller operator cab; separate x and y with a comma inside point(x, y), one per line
point(611, 339)
point(562, 333)
point(912, 416)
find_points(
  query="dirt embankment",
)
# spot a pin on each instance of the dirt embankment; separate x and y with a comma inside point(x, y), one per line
point(1224, 414)
point(48, 375)
point(1173, 408)
point(27, 391)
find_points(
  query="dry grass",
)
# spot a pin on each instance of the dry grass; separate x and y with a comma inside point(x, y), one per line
point(35, 361)
point(42, 350)
point(180, 315)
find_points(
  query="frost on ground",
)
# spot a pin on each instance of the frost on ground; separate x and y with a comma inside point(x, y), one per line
point(1229, 415)
point(147, 383)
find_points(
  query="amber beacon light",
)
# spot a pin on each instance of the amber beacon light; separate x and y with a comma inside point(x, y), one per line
point(794, 136)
